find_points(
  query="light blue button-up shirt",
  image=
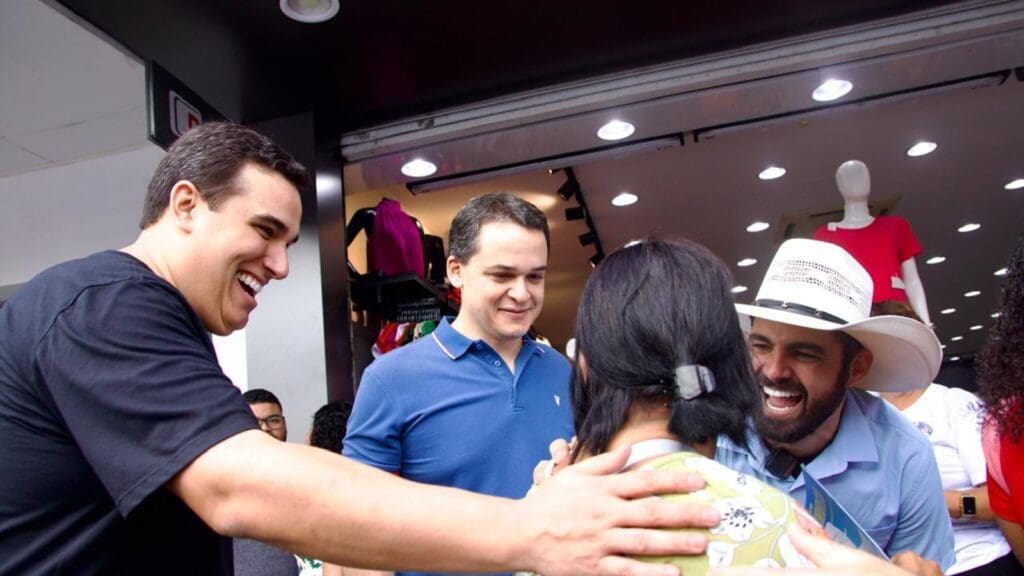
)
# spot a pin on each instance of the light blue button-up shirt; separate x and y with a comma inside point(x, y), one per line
point(879, 468)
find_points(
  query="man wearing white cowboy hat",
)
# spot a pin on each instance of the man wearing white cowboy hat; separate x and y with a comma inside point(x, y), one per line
point(813, 344)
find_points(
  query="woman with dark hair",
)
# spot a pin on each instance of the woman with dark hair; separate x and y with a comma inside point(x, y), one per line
point(663, 366)
point(1001, 387)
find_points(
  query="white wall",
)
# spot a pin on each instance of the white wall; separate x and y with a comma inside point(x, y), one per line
point(71, 211)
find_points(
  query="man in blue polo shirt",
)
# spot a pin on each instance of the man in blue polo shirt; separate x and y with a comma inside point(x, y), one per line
point(475, 404)
point(812, 342)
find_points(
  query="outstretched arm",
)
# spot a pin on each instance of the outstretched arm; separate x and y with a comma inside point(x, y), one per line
point(309, 501)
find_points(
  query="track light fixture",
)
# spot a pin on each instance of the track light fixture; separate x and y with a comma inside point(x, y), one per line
point(569, 189)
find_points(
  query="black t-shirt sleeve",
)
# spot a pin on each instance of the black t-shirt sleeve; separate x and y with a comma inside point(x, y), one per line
point(135, 378)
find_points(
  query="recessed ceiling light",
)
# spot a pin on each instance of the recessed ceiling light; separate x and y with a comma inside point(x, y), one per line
point(739, 289)
point(935, 260)
point(922, 148)
point(758, 226)
point(746, 262)
point(948, 310)
point(615, 130)
point(310, 11)
point(1001, 272)
point(997, 314)
point(977, 327)
point(771, 173)
point(954, 358)
point(625, 199)
point(418, 168)
point(943, 346)
point(832, 89)
point(972, 293)
point(956, 338)
point(1015, 184)
point(969, 227)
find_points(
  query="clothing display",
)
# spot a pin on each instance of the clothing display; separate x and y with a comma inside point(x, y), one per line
point(951, 420)
point(447, 410)
point(396, 244)
point(254, 558)
point(890, 485)
point(881, 248)
point(109, 386)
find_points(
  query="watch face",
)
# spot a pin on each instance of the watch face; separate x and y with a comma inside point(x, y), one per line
point(969, 505)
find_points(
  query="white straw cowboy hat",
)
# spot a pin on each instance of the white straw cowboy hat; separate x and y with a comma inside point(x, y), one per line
point(819, 285)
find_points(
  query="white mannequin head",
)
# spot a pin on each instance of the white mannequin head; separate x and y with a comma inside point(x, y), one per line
point(853, 181)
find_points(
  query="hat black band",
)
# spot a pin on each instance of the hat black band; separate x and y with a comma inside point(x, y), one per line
point(800, 309)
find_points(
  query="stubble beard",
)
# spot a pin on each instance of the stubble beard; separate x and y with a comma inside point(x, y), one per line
point(813, 414)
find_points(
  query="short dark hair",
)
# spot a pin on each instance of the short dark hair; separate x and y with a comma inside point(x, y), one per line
point(493, 207)
point(260, 396)
point(648, 308)
point(210, 156)
point(329, 424)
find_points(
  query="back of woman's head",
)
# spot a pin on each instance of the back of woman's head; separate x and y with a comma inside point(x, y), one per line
point(649, 308)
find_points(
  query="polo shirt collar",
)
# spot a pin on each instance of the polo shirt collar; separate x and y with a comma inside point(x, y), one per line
point(455, 345)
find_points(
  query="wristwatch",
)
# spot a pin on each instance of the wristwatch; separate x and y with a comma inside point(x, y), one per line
point(968, 506)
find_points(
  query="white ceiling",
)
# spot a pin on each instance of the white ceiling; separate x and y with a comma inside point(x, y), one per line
point(66, 94)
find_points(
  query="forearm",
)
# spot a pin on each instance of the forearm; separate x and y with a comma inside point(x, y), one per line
point(1014, 534)
point(983, 509)
point(324, 506)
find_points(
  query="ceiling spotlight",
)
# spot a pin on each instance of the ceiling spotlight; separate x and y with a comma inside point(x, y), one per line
point(943, 346)
point(758, 226)
point(948, 311)
point(831, 89)
point(935, 260)
point(1015, 184)
point(746, 262)
point(972, 293)
point(615, 130)
point(997, 314)
point(596, 259)
point(310, 11)
point(588, 238)
point(954, 359)
point(418, 168)
point(625, 199)
point(771, 173)
point(921, 148)
point(969, 227)
point(575, 213)
point(977, 327)
point(569, 189)
point(739, 289)
point(956, 338)
point(1001, 272)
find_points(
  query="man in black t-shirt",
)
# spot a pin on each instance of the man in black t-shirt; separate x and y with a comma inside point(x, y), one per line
point(126, 449)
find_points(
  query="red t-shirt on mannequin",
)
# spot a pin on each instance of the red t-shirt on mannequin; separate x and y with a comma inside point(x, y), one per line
point(881, 247)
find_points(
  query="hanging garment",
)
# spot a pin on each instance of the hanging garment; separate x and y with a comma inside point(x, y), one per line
point(396, 245)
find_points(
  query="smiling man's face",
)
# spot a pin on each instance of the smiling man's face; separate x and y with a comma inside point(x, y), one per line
point(802, 375)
